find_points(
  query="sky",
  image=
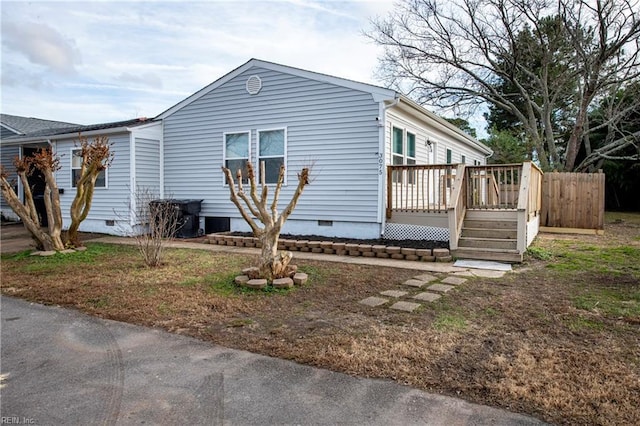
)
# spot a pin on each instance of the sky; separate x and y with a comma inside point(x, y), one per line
point(99, 61)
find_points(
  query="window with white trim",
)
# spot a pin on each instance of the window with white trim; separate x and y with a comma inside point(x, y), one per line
point(403, 150)
point(449, 155)
point(463, 159)
point(76, 169)
point(236, 153)
point(272, 148)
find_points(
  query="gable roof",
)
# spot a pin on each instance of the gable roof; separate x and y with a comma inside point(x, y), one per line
point(380, 93)
point(27, 125)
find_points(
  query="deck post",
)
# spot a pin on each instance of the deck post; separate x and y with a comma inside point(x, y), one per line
point(456, 207)
point(389, 192)
point(523, 206)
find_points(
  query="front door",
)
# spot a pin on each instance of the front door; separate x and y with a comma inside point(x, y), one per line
point(37, 185)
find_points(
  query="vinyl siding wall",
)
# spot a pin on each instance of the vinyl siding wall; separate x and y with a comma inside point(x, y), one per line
point(7, 154)
point(5, 133)
point(109, 203)
point(331, 128)
point(439, 138)
point(148, 165)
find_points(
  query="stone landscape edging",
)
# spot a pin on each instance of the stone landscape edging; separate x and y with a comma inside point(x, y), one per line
point(339, 248)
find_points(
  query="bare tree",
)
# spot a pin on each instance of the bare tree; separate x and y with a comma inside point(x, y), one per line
point(96, 157)
point(157, 224)
point(272, 265)
point(47, 163)
point(459, 54)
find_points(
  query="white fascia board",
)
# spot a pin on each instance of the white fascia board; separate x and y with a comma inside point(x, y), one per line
point(453, 130)
point(378, 93)
point(102, 132)
point(144, 126)
point(16, 131)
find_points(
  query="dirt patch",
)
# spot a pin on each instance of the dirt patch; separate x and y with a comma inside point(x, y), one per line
point(559, 339)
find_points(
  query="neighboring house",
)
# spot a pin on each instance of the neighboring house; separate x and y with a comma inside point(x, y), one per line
point(136, 147)
point(348, 132)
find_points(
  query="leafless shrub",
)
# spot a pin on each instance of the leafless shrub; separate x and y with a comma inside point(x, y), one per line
point(157, 222)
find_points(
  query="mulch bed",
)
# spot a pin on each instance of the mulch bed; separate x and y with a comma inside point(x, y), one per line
point(417, 244)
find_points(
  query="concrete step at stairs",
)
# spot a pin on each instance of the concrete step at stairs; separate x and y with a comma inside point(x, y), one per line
point(499, 255)
point(491, 243)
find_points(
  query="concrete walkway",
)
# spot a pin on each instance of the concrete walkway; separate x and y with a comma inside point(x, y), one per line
point(63, 367)
point(446, 268)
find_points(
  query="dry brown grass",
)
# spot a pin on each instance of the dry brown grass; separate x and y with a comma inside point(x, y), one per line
point(559, 340)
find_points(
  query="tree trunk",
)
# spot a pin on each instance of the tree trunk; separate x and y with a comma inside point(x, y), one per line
point(81, 204)
point(54, 214)
point(272, 264)
point(42, 239)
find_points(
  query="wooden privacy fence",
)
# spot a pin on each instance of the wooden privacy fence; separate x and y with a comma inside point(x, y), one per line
point(573, 200)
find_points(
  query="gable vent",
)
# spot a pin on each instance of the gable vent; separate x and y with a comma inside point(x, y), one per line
point(254, 84)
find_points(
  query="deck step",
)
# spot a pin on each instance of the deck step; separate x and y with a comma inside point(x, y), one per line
point(501, 233)
point(490, 224)
point(472, 214)
point(489, 243)
point(499, 255)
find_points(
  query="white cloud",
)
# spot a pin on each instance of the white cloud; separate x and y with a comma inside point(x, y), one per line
point(41, 45)
point(141, 58)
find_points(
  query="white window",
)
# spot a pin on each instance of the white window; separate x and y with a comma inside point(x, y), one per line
point(272, 149)
point(236, 153)
point(404, 150)
point(398, 146)
point(463, 159)
point(449, 155)
point(76, 167)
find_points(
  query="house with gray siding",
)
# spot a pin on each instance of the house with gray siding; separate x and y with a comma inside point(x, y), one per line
point(347, 132)
point(136, 147)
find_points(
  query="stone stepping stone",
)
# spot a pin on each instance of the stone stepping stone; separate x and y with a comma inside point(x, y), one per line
point(427, 297)
point(488, 274)
point(282, 283)
point(414, 283)
point(405, 306)
point(300, 278)
point(241, 280)
point(454, 280)
point(259, 283)
point(426, 278)
point(393, 293)
point(441, 288)
point(373, 301)
point(464, 274)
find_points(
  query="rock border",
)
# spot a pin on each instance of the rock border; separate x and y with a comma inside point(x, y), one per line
point(340, 249)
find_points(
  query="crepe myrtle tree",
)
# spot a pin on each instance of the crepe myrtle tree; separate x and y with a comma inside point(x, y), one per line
point(96, 156)
point(272, 264)
point(47, 163)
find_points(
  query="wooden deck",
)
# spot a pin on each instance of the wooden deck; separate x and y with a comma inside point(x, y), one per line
point(475, 203)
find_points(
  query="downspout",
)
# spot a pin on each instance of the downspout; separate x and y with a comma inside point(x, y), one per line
point(382, 163)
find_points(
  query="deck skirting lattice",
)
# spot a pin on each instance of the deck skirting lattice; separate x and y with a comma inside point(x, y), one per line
point(401, 231)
